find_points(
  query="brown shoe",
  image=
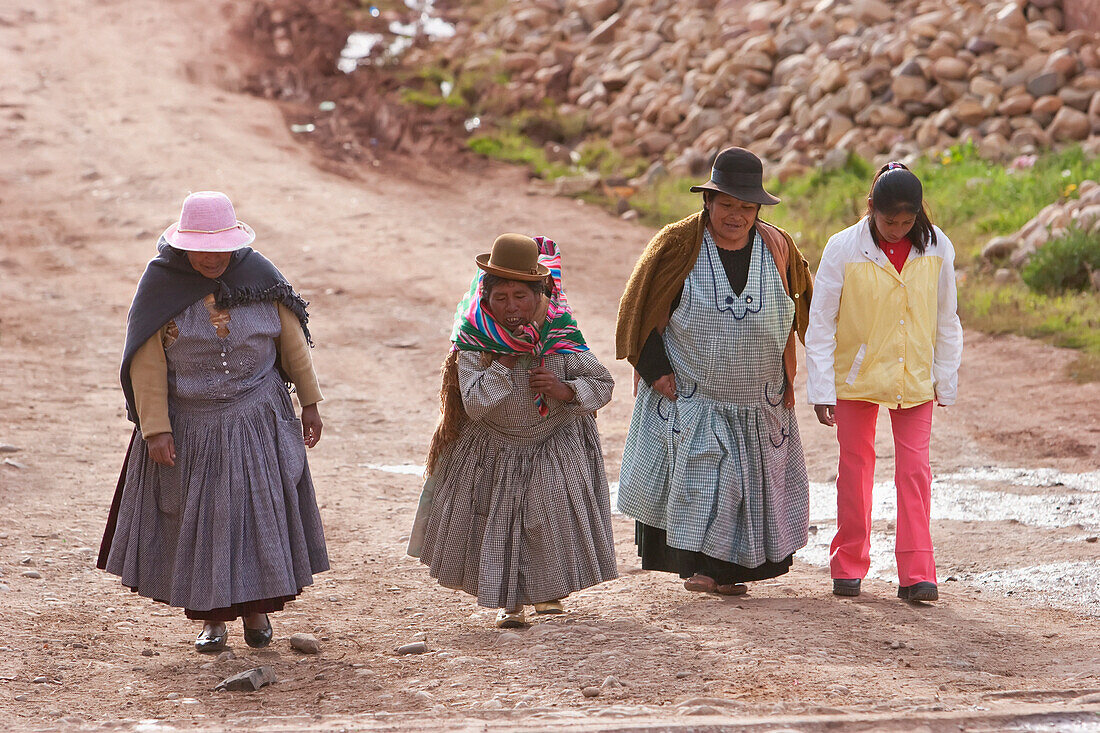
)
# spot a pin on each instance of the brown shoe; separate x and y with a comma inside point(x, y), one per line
point(549, 607)
point(733, 589)
point(700, 583)
point(511, 619)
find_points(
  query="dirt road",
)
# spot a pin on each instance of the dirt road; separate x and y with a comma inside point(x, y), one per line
point(112, 111)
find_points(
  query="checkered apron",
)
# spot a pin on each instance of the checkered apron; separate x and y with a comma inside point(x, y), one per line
point(721, 468)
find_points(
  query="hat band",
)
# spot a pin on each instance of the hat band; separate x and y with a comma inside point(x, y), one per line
point(530, 271)
point(208, 231)
point(723, 179)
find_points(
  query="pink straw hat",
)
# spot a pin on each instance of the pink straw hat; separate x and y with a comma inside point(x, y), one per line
point(208, 224)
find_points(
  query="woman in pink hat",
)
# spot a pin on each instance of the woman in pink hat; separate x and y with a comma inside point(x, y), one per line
point(215, 510)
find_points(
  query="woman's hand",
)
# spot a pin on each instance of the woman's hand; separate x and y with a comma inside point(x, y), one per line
point(508, 360)
point(545, 381)
point(666, 385)
point(311, 425)
point(825, 414)
point(162, 449)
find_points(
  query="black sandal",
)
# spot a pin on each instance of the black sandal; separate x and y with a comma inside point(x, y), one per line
point(210, 642)
point(258, 638)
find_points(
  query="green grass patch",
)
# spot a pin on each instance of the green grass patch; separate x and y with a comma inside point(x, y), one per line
point(1071, 320)
point(431, 87)
point(666, 201)
point(521, 139)
point(598, 155)
point(515, 147)
point(548, 124)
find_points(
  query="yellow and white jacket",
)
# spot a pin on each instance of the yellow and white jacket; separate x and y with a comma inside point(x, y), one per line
point(877, 335)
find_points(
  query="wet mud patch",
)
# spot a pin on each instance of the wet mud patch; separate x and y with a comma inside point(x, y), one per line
point(1044, 444)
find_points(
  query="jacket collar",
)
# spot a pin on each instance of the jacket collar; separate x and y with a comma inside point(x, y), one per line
point(866, 244)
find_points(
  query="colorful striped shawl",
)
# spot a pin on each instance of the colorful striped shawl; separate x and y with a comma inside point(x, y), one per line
point(475, 329)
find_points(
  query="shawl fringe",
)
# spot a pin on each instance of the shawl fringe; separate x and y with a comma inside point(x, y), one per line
point(280, 292)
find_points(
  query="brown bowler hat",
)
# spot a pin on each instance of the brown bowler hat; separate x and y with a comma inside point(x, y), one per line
point(739, 173)
point(515, 257)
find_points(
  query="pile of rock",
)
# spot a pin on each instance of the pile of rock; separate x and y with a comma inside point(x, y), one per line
point(796, 79)
point(1051, 223)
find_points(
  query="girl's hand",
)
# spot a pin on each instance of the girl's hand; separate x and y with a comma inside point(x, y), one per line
point(545, 381)
point(825, 415)
point(508, 360)
point(162, 449)
point(311, 425)
point(666, 385)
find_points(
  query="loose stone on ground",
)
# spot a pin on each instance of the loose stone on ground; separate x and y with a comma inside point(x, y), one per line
point(248, 681)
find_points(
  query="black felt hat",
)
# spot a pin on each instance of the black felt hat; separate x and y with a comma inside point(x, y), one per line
point(740, 174)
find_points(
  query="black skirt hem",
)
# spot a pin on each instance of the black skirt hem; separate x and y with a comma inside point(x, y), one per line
point(237, 610)
point(656, 554)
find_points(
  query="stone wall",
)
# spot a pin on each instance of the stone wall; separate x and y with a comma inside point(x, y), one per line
point(1083, 15)
point(797, 81)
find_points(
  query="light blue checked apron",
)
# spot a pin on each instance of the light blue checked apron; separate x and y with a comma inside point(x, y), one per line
point(721, 469)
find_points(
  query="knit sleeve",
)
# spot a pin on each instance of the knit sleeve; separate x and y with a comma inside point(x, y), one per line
point(653, 362)
point(295, 358)
point(149, 375)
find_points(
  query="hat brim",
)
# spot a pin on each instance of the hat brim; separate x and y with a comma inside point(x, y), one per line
point(227, 241)
point(483, 263)
point(752, 195)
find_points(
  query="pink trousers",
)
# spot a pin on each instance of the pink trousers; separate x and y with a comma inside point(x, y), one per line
point(850, 552)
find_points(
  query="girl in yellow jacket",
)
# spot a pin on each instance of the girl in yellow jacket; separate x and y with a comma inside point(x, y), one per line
point(884, 331)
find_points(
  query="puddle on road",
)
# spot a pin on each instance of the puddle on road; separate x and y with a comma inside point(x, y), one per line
point(1037, 477)
point(362, 48)
point(408, 469)
point(957, 497)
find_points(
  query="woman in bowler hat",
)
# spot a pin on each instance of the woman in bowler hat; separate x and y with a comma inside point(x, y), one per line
point(713, 470)
point(515, 509)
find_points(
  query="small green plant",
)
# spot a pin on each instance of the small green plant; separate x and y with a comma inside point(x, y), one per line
point(421, 98)
point(1064, 264)
point(427, 90)
point(547, 124)
point(596, 154)
point(514, 147)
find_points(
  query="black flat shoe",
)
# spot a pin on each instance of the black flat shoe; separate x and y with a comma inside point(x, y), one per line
point(258, 638)
point(846, 586)
point(209, 642)
point(919, 592)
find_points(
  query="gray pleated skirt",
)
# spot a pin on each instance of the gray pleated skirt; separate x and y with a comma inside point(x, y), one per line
point(235, 520)
point(516, 524)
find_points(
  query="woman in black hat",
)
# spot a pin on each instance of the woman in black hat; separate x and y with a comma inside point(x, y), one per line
point(713, 469)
